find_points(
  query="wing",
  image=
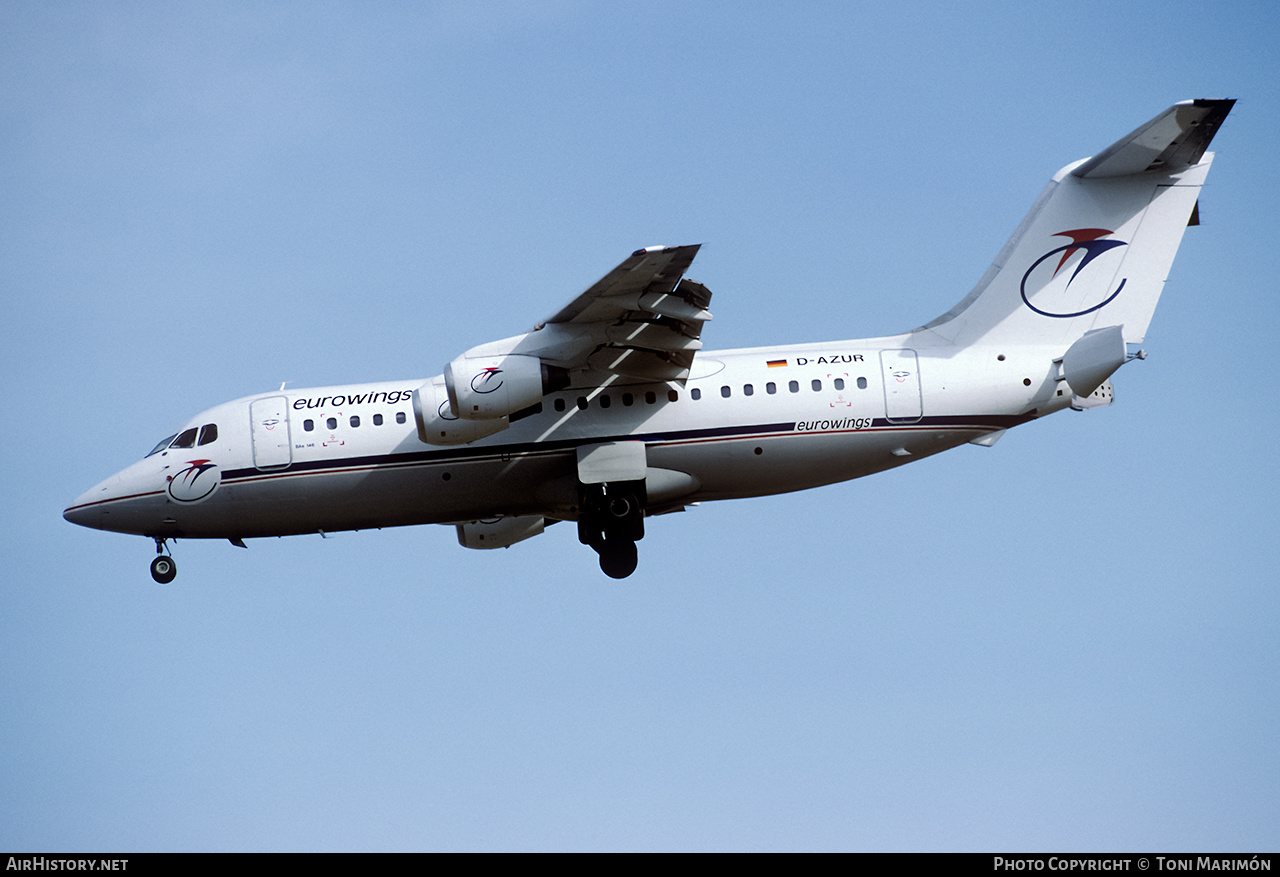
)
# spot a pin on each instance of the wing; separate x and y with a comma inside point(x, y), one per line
point(641, 321)
point(653, 270)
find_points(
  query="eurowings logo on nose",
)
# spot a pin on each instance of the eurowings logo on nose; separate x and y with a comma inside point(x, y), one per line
point(487, 380)
point(195, 482)
point(1082, 239)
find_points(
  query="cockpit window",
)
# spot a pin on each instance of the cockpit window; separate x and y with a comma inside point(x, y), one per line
point(186, 438)
point(208, 433)
point(164, 443)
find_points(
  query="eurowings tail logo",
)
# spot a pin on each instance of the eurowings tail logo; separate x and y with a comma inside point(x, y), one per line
point(1055, 298)
point(194, 483)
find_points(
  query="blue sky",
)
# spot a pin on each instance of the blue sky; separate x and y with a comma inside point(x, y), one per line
point(1067, 641)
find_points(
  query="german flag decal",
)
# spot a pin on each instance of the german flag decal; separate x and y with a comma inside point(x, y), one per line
point(777, 363)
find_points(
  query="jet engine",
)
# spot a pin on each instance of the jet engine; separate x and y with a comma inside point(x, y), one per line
point(493, 386)
point(487, 387)
point(437, 424)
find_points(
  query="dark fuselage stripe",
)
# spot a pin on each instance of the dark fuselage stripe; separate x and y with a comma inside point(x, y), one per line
point(678, 437)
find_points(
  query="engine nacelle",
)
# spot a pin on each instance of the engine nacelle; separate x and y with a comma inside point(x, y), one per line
point(501, 532)
point(437, 424)
point(485, 387)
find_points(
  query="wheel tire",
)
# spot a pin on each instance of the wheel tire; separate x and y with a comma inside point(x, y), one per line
point(163, 569)
point(618, 559)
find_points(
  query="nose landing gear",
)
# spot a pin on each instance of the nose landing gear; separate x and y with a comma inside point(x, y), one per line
point(163, 569)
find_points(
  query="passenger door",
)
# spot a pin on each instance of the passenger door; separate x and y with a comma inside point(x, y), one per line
point(269, 426)
point(901, 370)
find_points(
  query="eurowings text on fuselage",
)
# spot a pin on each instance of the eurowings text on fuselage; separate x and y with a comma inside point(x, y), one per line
point(609, 411)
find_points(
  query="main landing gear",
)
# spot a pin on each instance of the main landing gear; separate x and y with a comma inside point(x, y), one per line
point(612, 522)
point(163, 569)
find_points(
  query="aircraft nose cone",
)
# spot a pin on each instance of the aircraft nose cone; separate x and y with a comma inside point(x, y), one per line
point(78, 514)
point(87, 510)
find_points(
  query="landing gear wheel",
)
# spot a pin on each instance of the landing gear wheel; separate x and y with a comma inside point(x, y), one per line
point(163, 569)
point(618, 559)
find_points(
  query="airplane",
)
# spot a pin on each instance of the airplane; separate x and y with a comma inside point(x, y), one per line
point(609, 411)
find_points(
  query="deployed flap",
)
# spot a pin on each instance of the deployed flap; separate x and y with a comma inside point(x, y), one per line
point(611, 462)
point(641, 321)
point(1173, 140)
point(651, 273)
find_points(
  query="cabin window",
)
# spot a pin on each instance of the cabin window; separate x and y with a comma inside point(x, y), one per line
point(650, 397)
point(208, 434)
point(355, 421)
point(377, 420)
point(308, 425)
point(331, 423)
point(695, 393)
point(794, 386)
point(559, 404)
point(673, 396)
point(725, 391)
point(748, 390)
point(605, 401)
point(771, 388)
point(400, 418)
point(839, 382)
point(817, 385)
point(186, 438)
point(582, 403)
point(862, 383)
point(628, 399)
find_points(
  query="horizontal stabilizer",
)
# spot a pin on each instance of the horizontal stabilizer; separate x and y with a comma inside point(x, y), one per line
point(1173, 140)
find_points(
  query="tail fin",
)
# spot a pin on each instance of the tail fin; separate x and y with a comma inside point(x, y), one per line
point(1097, 245)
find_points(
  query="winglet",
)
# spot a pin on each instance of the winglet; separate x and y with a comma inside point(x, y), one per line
point(1174, 140)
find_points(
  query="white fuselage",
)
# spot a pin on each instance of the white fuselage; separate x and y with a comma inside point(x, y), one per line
point(610, 409)
point(748, 422)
